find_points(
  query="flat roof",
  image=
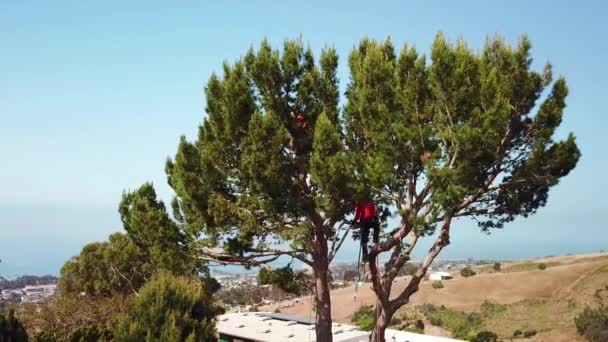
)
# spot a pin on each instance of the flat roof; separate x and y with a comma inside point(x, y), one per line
point(271, 327)
point(263, 327)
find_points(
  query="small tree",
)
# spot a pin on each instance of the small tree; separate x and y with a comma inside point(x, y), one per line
point(496, 266)
point(170, 308)
point(467, 272)
point(542, 267)
point(126, 261)
point(462, 135)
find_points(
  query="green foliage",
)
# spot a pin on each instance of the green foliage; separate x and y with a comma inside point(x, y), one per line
point(11, 329)
point(170, 308)
point(467, 272)
point(409, 120)
point(485, 336)
point(489, 309)
point(496, 266)
point(364, 317)
point(593, 324)
point(462, 325)
point(124, 262)
point(285, 279)
point(438, 284)
point(254, 176)
point(517, 333)
point(542, 266)
point(102, 268)
point(74, 318)
point(149, 226)
point(407, 323)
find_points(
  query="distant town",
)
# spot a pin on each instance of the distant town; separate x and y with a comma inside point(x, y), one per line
point(26, 288)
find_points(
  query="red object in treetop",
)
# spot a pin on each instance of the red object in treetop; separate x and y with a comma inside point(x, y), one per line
point(365, 211)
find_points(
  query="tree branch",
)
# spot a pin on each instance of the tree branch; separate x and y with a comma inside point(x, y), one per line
point(442, 240)
point(335, 248)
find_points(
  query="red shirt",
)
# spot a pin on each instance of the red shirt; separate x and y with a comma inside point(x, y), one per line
point(365, 212)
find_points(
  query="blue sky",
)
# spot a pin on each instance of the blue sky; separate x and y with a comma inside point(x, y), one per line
point(93, 98)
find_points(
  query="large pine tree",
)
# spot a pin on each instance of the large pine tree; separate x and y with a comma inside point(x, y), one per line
point(267, 176)
point(461, 135)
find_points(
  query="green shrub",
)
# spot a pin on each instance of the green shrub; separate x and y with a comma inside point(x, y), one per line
point(170, 308)
point(436, 321)
point(489, 309)
point(517, 333)
point(529, 333)
point(460, 324)
point(485, 336)
point(364, 318)
point(542, 266)
point(593, 324)
point(496, 266)
point(467, 272)
point(66, 318)
point(414, 330)
point(11, 328)
point(438, 284)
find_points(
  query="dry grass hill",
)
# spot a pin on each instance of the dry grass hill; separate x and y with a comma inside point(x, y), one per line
point(529, 298)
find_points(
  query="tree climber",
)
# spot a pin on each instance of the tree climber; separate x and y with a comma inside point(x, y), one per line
point(366, 217)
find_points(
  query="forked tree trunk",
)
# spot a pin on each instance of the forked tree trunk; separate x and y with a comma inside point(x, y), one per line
point(383, 319)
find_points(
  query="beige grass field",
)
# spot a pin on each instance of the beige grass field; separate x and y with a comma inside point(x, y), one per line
point(543, 300)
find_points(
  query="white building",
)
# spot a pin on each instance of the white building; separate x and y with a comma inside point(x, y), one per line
point(440, 276)
point(32, 293)
point(270, 327)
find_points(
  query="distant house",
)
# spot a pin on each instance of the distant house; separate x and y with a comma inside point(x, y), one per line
point(440, 276)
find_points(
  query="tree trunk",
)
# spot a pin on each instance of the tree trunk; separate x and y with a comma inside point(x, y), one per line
point(383, 319)
point(322, 299)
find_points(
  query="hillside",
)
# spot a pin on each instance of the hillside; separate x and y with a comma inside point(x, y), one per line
point(529, 298)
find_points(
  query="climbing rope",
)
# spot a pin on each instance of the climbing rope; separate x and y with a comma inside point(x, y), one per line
point(359, 272)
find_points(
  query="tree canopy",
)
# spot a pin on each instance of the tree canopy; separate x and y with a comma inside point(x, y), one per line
point(460, 135)
point(267, 175)
point(124, 263)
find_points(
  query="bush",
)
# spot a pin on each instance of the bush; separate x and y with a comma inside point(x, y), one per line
point(529, 333)
point(74, 318)
point(11, 328)
point(517, 333)
point(593, 324)
point(436, 321)
point(467, 272)
point(438, 284)
point(542, 266)
point(485, 336)
point(170, 308)
point(460, 324)
point(364, 318)
point(496, 266)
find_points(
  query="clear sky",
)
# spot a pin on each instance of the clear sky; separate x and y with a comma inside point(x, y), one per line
point(93, 98)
